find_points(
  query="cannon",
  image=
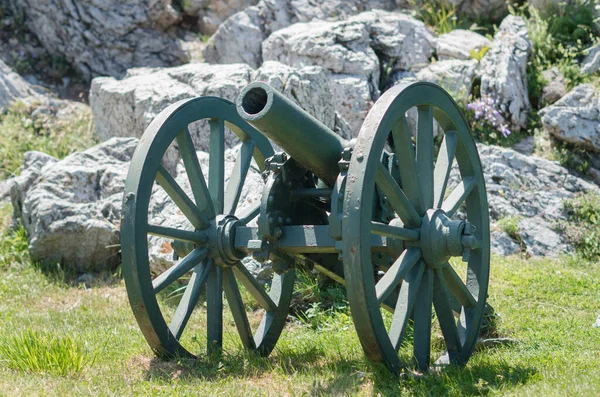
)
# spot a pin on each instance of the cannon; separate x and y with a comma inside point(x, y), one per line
point(384, 214)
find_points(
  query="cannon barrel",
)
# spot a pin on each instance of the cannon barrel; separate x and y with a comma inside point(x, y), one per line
point(302, 136)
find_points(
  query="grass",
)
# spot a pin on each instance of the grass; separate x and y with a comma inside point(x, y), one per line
point(22, 131)
point(547, 305)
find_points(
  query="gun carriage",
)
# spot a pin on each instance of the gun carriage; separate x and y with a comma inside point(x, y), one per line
point(376, 214)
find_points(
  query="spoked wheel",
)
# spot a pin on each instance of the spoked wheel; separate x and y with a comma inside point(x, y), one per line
point(423, 231)
point(208, 258)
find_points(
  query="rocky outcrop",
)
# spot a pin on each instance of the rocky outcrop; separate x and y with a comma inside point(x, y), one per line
point(575, 118)
point(531, 190)
point(71, 208)
point(212, 13)
point(239, 38)
point(555, 87)
point(106, 37)
point(591, 62)
point(481, 9)
point(13, 87)
point(458, 44)
point(455, 76)
point(504, 71)
point(124, 108)
point(353, 51)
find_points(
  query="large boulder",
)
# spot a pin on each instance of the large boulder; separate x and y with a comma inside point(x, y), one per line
point(458, 44)
point(591, 62)
point(481, 9)
point(106, 37)
point(532, 191)
point(453, 75)
point(504, 71)
point(71, 210)
point(125, 107)
point(13, 87)
point(575, 118)
point(212, 13)
point(239, 38)
point(354, 51)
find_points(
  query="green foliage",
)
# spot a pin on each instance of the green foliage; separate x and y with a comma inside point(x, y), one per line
point(584, 228)
point(21, 131)
point(439, 14)
point(13, 242)
point(478, 55)
point(43, 352)
point(510, 226)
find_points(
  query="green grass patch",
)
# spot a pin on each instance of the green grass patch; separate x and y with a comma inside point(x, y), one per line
point(21, 131)
point(43, 352)
point(583, 230)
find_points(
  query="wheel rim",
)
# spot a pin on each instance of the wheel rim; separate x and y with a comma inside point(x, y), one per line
point(210, 208)
point(420, 275)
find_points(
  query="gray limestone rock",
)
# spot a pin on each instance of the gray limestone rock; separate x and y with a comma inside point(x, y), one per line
point(458, 44)
point(13, 87)
point(71, 210)
point(504, 75)
point(591, 62)
point(575, 118)
point(106, 37)
point(455, 76)
point(555, 89)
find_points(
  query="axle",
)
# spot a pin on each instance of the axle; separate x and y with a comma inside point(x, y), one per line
point(302, 136)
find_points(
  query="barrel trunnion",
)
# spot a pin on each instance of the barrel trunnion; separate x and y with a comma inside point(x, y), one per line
point(377, 215)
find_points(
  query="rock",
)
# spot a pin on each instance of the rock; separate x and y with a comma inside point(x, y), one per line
point(212, 13)
point(353, 51)
point(239, 38)
point(591, 62)
point(532, 189)
point(455, 76)
point(597, 323)
point(33, 163)
point(555, 89)
point(502, 244)
point(72, 210)
point(106, 37)
point(575, 118)
point(13, 87)
point(525, 146)
point(504, 74)
point(126, 107)
point(458, 44)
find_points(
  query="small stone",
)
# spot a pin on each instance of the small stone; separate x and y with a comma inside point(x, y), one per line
point(597, 323)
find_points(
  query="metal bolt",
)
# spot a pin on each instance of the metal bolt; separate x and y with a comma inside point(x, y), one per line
point(130, 196)
point(277, 232)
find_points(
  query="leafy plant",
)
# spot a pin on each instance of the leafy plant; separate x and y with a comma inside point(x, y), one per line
point(479, 54)
point(43, 352)
point(439, 14)
point(584, 228)
point(486, 121)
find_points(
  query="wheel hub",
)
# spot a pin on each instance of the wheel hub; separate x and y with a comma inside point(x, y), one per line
point(222, 241)
point(441, 238)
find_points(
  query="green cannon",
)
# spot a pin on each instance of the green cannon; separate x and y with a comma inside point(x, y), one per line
point(385, 214)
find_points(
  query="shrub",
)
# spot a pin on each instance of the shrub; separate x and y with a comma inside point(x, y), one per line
point(583, 229)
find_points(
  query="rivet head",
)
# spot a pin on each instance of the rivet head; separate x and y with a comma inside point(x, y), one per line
point(130, 196)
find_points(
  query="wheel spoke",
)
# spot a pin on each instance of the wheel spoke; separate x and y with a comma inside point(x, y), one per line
point(238, 176)
point(458, 196)
point(236, 305)
point(400, 233)
point(194, 173)
point(458, 288)
point(400, 203)
point(178, 234)
point(182, 201)
point(254, 287)
point(190, 298)
point(214, 311)
point(443, 166)
point(250, 214)
point(425, 154)
point(216, 167)
point(405, 304)
point(443, 309)
point(396, 272)
point(422, 317)
point(178, 270)
point(405, 153)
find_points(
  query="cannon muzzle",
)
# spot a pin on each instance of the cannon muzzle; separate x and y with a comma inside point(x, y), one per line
point(302, 136)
